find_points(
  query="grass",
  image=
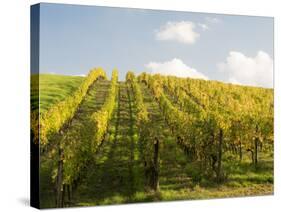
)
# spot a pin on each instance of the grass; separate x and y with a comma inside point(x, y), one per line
point(53, 88)
point(47, 197)
point(243, 182)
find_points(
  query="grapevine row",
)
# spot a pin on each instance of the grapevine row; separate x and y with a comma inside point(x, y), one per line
point(245, 112)
point(211, 126)
point(53, 120)
point(78, 146)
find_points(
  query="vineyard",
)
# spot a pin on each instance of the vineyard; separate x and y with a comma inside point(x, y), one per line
point(151, 138)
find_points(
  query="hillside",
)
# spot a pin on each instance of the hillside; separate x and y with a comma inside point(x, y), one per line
point(53, 88)
point(154, 138)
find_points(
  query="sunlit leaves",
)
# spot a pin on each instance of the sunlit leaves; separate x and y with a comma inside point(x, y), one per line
point(52, 120)
point(197, 110)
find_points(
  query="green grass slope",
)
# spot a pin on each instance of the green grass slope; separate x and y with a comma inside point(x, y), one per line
point(53, 88)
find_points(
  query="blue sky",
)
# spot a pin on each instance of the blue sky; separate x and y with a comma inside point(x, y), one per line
point(236, 49)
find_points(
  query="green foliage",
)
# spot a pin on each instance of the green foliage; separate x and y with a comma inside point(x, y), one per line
point(80, 146)
point(101, 118)
point(58, 114)
point(142, 114)
point(217, 117)
point(195, 122)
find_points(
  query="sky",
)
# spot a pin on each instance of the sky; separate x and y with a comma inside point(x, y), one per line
point(228, 48)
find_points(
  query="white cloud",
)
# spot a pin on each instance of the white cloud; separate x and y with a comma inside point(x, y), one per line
point(204, 27)
point(182, 32)
point(212, 20)
point(255, 71)
point(174, 67)
point(79, 75)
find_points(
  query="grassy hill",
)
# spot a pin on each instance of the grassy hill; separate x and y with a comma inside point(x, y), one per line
point(53, 88)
